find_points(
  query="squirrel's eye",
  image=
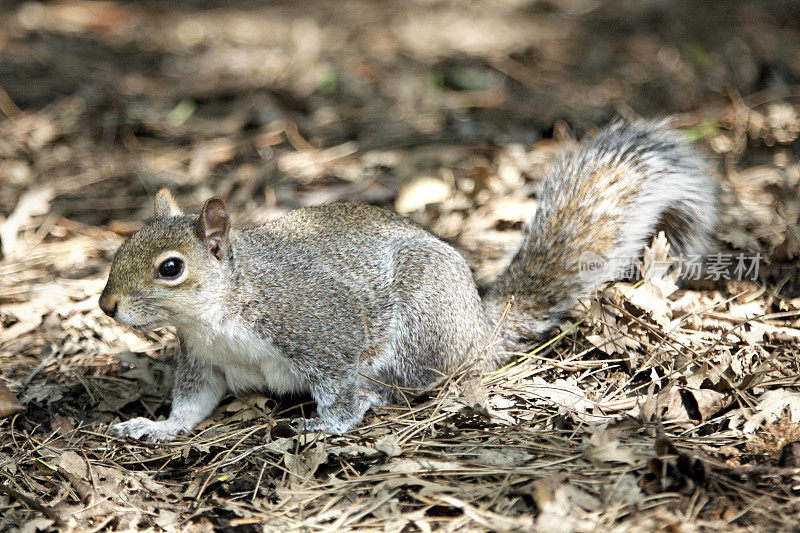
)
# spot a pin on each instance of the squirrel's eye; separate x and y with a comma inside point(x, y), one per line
point(170, 268)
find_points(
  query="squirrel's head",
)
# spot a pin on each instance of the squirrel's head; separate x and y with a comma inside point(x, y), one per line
point(172, 269)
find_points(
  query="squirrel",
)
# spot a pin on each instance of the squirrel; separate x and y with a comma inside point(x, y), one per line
point(353, 304)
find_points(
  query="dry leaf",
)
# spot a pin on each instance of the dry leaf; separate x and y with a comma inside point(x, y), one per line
point(603, 446)
point(771, 407)
point(502, 457)
point(648, 297)
point(389, 446)
point(567, 397)
point(413, 466)
point(9, 404)
point(696, 405)
point(420, 192)
point(302, 465)
point(166, 519)
point(73, 463)
point(35, 525)
point(33, 202)
point(557, 511)
point(474, 396)
point(656, 264)
point(355, 450)
point(613, 342)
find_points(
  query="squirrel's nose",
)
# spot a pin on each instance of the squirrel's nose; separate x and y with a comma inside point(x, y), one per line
point(108, 304)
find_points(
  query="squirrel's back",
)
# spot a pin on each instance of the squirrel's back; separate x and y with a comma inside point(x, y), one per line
point(365, 280)
point(346, 246)
point(600, 205)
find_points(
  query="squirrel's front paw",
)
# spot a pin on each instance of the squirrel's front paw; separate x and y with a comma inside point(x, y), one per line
point(144, 428)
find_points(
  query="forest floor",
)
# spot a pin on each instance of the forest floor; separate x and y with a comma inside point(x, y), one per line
point(652, 408)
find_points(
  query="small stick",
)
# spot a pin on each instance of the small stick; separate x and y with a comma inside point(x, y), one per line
point(30, 502)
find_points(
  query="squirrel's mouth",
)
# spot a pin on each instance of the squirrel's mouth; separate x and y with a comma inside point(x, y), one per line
point(144, 326)
point(140, 321)
point(149, 326)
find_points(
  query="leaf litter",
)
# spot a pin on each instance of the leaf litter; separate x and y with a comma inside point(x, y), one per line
point(661, 404)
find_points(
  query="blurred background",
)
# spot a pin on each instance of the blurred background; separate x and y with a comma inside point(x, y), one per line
point(409, 103)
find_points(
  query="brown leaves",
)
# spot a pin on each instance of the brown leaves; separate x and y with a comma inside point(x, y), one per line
point(302, 465)
point(9, 404)
point(231, 101)
point(34, 202)
point(694, 405)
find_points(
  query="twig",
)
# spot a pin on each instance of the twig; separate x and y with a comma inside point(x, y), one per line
point(30, 502)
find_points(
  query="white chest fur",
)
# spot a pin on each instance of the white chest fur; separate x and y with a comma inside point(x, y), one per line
point(248, 361)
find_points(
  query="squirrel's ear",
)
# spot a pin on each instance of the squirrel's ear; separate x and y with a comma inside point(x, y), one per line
point(165, 204)
point(213, 227)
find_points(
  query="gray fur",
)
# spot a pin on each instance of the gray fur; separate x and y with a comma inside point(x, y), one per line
point(355, 304)
point(632, 180)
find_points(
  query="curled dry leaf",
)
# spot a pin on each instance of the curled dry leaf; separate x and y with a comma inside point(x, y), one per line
point(558, 503)
point(656, 265)
point(567, 397)
point(33, 202)
point(502, 457)
point(9, 404)
point(389, 446)
point(697, 405)
point(649, 297)
point(73, 463)
point(415, 466)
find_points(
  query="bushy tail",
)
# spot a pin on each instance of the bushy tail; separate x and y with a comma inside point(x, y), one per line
point(598, 208)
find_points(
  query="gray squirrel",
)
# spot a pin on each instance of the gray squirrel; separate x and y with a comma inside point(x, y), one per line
point(353, 304)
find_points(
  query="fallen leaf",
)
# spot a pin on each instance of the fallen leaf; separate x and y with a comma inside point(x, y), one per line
point(35, 201)
point(413, 466)
point(355, 450)
point(34, 525)
point(557, 511)
point(474, 396)
point(656, 265)
point(603, 446)
point(772, 406)
point(567, 397)
point(389, 446)
point(648, 297)
point(304, 464)
point(73, 463)
point(9, 404)
point(502, 457)
point(696, 405)
point(165, 519)
point(420, 192)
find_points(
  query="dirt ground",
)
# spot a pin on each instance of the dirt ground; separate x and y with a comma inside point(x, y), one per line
point(653, 408)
